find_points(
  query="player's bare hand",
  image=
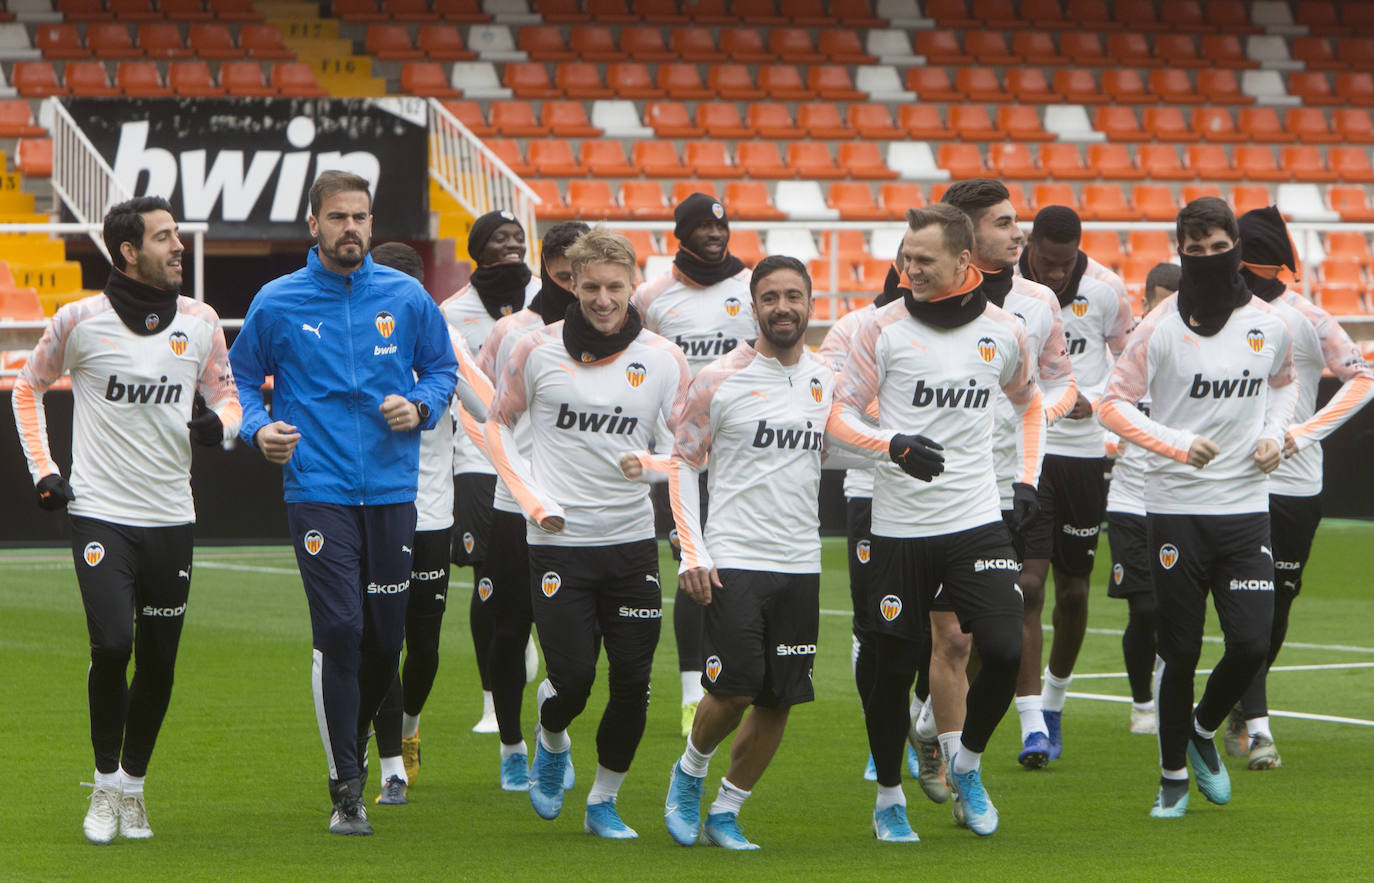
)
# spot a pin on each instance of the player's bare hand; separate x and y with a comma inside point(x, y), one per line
point(697, 583)
point(1082, 407)
point(1290, 445)
point(1202, 451)
point(401, 414)
point(552, 523)
point(277, 441)
point(630, 465)
point(1267, 456)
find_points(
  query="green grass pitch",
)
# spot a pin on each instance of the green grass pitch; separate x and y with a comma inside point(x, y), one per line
point(236, 789)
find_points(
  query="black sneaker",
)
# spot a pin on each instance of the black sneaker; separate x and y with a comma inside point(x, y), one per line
point(349, 816)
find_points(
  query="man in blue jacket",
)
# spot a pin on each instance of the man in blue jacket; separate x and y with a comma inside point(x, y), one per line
point(361, 361)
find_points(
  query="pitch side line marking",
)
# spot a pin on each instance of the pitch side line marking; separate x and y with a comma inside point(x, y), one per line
point(1319, 667)
point(1328, 718)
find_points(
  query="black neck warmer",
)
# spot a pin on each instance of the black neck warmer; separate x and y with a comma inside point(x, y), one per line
point(952, 310)
point(585, 344)
point(1209, 289)
point(553, 300)
point(1070, 287)
point(996, 284)
point(702, 273)
point(502, 287)
point(892, 288)
point(143, 308)
point(1265, 288)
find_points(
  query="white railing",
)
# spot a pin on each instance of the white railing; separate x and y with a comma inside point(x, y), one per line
point(474, 176)
point(80, 176)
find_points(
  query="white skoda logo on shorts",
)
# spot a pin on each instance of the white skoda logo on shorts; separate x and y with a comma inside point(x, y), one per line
point(314, 542)
point(94, 553)
point(862, 551)
point(713, 668)
point(1168, 555)
point(484, 588)
point(550, 584)
point(890, 607)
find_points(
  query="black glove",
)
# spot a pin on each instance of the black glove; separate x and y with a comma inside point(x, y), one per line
point(206, 429)
point(1025, 505)
point(917, 456)
point(54, 493)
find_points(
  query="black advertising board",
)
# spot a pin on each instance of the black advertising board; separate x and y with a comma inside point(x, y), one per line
point(245, 165)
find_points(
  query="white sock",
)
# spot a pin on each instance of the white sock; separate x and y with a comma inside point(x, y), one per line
point(889, 797)
point(1175, 775)
point(1052, 693)
point(392, 766)
point(691, 687)
point(543, 693)
point(1197, 728)
point(488, 704)
point(694, 762)
point(1259, 726)
point(555, 741)
point(1032, 714)
point(1143, 707)
point(966, 761)
point(729, 798)
point(107, 780)
point(949, 743)
point(129, 784)
point(410, 725)
point(512, 750)
point(925, 721)
point(606, 786)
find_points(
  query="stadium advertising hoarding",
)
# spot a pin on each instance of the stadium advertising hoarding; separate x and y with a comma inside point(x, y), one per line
point(245, 165)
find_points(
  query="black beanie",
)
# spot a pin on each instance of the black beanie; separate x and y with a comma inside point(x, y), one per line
point(694, 211)
point(1264, 240)
point(483, 227)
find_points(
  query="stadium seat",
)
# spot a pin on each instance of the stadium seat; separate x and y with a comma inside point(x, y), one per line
point(822, 119)
point(1211, 163)
point(508, 151)
point(685, 188)
point(862, 159)
point(950, 13)
point(981, 84)
point(1318, 17)
point(1154, 246)
point(544, 43)
point(1353, 125)
point(749, 200)
point(1079, 86)
point(1220, 86)
point(1225, 50)
point(1126, 86)
point(594, 43)
point(1262, 124)
point(669, 119)
point(1104, 246)
point(162, 41)
point(1174, 86)
point(1255, 162)
point(682, 81)
point(1166, 124)
point(577, 79)
point(593, 199)
point(658, 159)
point(832, 82)
point(1160, 161)
point(89, 79)
point(409, 10)
point(644, 200)
point(1084, 49)
point(842, 46)
point(722, 120)
point(1036, 48)
point(1144, 17)
point(1190, 192)
point(1063, 162)
point(140, 79)
point(809, 13)
point(1348, 246)
point(1350, 164)
point(757, 12)
point(1132, 49)
point(389, 42)
point(771, 119)
point(210, 41)
point(191, 79)
point(515, 119)
point(358, 11)
point(1048, 14)
point(609, 11)
point(710, 159)
point(1356, 53)
point(990, 47)
point(1245, 197)
point(922, 121)
point(1029, 85)
point(1313, 87)
point(1154, 202)
point(554, 158)
point(1012, 161)
point(810, 160)
point(16, 120)
point(1355, 87)
point(793, 45)
point(784, 82)
point(83, 10)
point(296, 79)
point(631, 79)
point(1316, 53)
point(110, 39)
point(941, 46)
point(442, 42)
point(1215, 124)
point(264, 41)
point(762, 159)
point(530, 79)
point(1056, 193)
point(426, 79)
point(962, 160)
point(896, 197)
point(802, 200)
point(19, 304)
point(873, 121)
point(1231, 16)
point(973, 122)
point(645, 44)
point(60, 41)
point(1351, 202)
point(185, 10)
point(746, 46)
point(1308, 125)
point(469, 113)
point(854, 201)
point(33, 157)
point(693, 44)
point(710, 12)
point(1113, 162)
point(604, 159)
point(1021, 123)
point(567, 119)
point(552, 206)
point(235, 10)
point(1179, 50)
point(933, 84)
point(733, 82)
point(1106, 202)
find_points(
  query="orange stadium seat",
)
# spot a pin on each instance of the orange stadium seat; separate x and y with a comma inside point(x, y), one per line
point(1104, 246)
point(1131, 48)
point(658, 159)
point(442, 42)
point(822, 119)
point(1216, 124)
point(515, 119)
point(746, 245)
point(644, 245)
point(1351, 202)
point(212, 41)
point(990, 47)
point(577, 79)
point(1355, 87)
point(409, 10)
point(469, 113)
point(1356, 52)
point(973, 122)
point(710, 12)
point(387, 42)
point(745, 46)
point(1079, 87)
point(631, 79)
point(1304, 162)
point(749, 200)
point(1345, 245)
point(644, 200)
point(162, 40)
point(19, 304)
point(832, 82)
point(593, 199)
point(264, 41)
point(1154, 202)
point(33, 157)
point(734, 82)
point(922, 121)
point(1179, 50)
point(645, 44)
point(558, 11)
point(669, 119)
point(854, 201)
point(793, 45)
point(553, 157)
point(862, 159)
point(659, 12)
point(191, 79)
point(1231, 16)
point(357, 11)
point(1048, 14)
point(695, 44)
point(16, 119)
point(683, 81)
point(685, 188)
point(1319, 17)
point(1350, 164)
point(140, 79)
point(1126, 86)
point(981, 84)
point(1313, 87)
point(851, 245)
point(185, 10)
point(1160, 161)
point(1106, 202)
point(1225, 50)
point(1262, 124)
point(508, 151)
point(873, 273)
point(234, 10)
point(1084, 48)
point(842, 46)
point(709, 159)
point(1357, 18)
point(544, 43)
point(1021, 123)
point(722, 120)
point(771, 119)
point(568, 119)
point(83, 10)
point(1029, 85)
point(1220, 86)
point(60, 41)
point(1036, 47)
point(594, 43)
point(1056, 193)
point(932, 84)
point(1255, 162)
point(110, 39)
point(811, 160)
point(1011, 161)
point(762, 159)
point(1114, 162)
point(551, 206)
point(896, 197)
point(950, 13)
point(1152, 245)
point(610, 11)
point(757, 12)
point(1245, 197)
point(605, 159)
point(1210, 163)
point(1190, 192)
point(784, 82)
point(296, 79)
point(808, 13)
point(962, 160)
point(1166, 124)
point(1174, 86)
point(941, 46)
point(426, 79)
point(1316, 53)
point(873, 121)
point(1063, 162)
point(89, 79)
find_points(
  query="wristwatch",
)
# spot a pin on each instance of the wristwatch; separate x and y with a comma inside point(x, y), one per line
point(422, 409)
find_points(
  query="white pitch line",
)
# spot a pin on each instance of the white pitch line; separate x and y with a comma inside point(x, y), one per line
point(1327, 718)
point(1105, 675)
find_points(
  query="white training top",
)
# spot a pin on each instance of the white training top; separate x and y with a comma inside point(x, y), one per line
point(705, 323)
point(834, 350)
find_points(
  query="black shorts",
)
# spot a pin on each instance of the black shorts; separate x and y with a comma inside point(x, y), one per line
point(1073, 502)
point(1018, 540)
point(472, 496)
point(428, 595)
point(858, 513)
point(1126, 535)
point(761, 631)
point(1292, 524)
point(971, 572)
point(505, 588)
point(1226, 555)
